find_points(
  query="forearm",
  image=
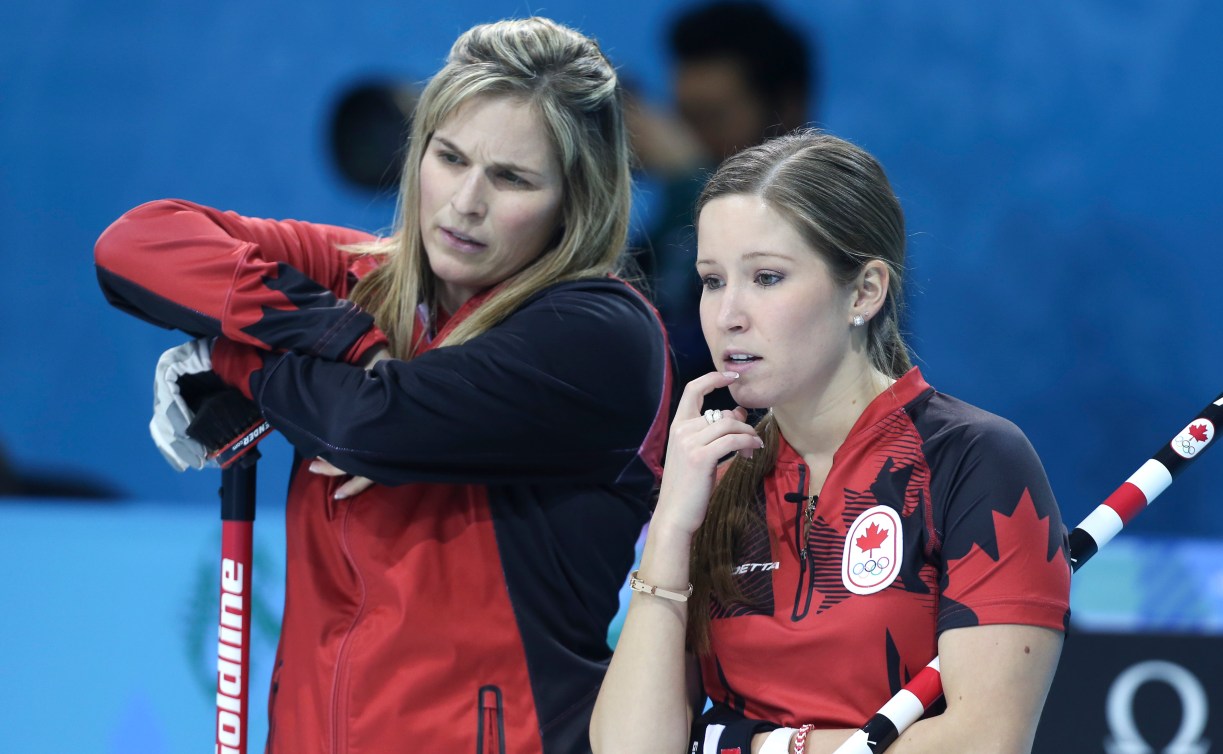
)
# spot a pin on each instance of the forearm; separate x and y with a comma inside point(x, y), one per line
point(449, 416)
point(944, 734)
point(995, 680)
point(644, 703)
point(947, 733)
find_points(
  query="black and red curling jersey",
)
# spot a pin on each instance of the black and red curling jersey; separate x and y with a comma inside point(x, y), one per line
point(935, 515)
point(462, 604)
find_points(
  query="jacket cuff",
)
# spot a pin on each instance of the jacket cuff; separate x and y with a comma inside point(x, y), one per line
point(236, 363)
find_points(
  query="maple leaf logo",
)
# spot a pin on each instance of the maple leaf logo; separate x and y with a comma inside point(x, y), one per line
point(1199, 432)
point(1021, 544)
point(872, 539)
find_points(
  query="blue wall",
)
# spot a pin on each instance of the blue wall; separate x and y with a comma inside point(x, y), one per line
point(1058, 164)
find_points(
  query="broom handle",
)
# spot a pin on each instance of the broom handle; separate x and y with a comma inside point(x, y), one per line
point(234, 629)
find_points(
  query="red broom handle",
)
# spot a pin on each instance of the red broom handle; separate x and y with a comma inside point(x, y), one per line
point(234, 628)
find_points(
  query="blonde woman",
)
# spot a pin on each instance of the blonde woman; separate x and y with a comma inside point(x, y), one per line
point(483, 399)
point(866, 524)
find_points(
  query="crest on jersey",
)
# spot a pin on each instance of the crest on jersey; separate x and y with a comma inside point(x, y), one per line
point(872, 551)
point(1194, 438)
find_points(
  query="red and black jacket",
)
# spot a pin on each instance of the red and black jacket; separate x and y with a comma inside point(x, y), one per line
point(461, 604)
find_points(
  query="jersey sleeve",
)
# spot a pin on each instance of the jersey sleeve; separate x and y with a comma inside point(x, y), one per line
point(1003, 543)
point(272, 284)
point(573, 387)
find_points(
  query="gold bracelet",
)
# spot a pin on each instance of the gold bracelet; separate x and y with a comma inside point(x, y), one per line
point(637, 585)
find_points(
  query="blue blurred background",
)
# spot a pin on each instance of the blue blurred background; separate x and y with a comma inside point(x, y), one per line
point(1059, 165)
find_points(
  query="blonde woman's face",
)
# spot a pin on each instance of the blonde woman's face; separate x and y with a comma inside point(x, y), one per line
point(490, 195)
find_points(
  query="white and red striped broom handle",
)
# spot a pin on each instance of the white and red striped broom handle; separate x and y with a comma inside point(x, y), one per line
point(1095, 531)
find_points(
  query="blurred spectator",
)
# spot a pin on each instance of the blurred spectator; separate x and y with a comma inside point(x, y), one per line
point(740, 75)
point(369, 127)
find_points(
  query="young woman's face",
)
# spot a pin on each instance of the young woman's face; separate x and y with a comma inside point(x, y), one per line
point(490, 195)
point(770, 308)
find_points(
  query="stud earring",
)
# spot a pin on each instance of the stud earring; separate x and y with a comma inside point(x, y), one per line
point(859, 320)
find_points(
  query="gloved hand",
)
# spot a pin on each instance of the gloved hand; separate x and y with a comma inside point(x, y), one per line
point(171, 416)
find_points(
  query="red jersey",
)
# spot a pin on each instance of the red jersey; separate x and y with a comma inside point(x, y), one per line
point(935, 515)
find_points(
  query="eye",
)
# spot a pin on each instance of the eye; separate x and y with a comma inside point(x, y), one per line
point(711, 282)
point(450, 158)
point(765, 278)
point(512, 178)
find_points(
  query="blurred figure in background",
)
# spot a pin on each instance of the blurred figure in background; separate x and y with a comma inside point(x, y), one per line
point(741, 74)
point(369, 127)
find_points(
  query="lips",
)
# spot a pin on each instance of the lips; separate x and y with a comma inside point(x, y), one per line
point(460, 241)
point(739, 361)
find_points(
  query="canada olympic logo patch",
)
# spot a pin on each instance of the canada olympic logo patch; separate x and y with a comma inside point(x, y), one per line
point(872, 551)
point(1193, 438)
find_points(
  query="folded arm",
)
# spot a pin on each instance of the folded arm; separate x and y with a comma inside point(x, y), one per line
point(566, 389)
point(995, 680)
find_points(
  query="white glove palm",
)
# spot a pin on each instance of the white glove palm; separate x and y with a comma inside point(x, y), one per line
point(170, 413)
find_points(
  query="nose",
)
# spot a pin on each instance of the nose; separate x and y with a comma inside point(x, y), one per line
point(731, 315)
point(468, 197)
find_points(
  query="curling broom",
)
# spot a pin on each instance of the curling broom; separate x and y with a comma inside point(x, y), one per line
point(229, 426)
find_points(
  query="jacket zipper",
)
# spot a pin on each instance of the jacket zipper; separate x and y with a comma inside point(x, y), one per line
point(490, 725)
point(802, 542)
point(340, 677)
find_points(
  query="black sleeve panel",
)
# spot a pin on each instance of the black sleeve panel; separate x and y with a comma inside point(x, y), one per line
point(996, 466)
point(1002, 539)
point(565, 389)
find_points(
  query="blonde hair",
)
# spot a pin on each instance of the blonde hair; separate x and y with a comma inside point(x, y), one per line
point(838, 198)
point(574, 88)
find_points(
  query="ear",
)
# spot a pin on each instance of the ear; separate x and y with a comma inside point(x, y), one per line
point(870, 289)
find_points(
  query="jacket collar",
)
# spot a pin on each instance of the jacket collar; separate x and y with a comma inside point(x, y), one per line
point(423, 332)
point(901, 393)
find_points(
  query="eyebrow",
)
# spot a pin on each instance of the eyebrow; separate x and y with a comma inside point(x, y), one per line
point(752, 255)
point(504, 165)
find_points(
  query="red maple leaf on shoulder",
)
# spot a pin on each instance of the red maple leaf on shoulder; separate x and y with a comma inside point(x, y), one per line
point(1021, 567)
point(1199, 432)
point(872, 539)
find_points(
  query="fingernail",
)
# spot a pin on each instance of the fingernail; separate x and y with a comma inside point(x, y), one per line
point(314, 466)
point(340, 495)
point(731, 375)
point(760, 441)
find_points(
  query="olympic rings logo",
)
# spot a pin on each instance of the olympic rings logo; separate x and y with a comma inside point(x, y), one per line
point(1189, 446)
point(873, 567)
point(1193, 438)
point(873, 551)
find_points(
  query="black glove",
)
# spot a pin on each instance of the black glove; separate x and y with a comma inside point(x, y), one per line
point(225, 422)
